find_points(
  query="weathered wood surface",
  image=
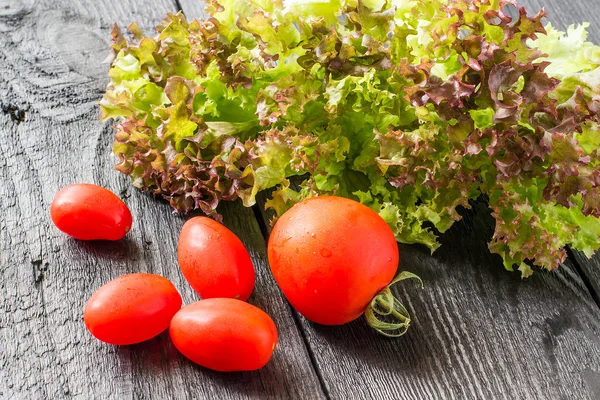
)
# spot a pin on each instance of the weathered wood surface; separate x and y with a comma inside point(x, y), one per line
point(193, 9)
point(562, 14)
point(51, 76)
point(478, 332)
point(590, 270)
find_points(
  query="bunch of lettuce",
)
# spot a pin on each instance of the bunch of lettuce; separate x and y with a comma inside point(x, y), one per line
point(411, 107)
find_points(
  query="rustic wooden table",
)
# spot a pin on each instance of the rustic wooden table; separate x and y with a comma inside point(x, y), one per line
point(479, 332)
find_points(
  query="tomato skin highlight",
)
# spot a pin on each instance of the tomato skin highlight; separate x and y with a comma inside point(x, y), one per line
point(131, 308)
point(330, 256)
point(214, 260)
point(224, 334)
point(90, 212)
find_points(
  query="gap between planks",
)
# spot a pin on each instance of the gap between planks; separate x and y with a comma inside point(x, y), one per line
point(265, 234)
point(584, 277)
point(178, 5)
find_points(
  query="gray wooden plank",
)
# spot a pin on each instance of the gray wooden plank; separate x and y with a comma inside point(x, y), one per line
point(562, 14)
point(193, 9)
point(478, 332)
point(50, 136)
point(590, 269)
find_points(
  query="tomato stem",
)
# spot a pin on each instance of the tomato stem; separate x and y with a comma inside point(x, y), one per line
point(385, 306)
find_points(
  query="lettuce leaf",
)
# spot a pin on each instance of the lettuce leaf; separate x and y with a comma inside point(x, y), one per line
point(413, 108)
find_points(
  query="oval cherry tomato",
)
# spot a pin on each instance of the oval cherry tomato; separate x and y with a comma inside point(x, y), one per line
point(90, 212)
point(214, 261)
point(224, 334)
point(131, 308)
point(331, 256)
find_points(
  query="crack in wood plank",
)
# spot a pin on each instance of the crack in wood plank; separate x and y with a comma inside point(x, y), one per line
point(479, 331)
point(562, 14)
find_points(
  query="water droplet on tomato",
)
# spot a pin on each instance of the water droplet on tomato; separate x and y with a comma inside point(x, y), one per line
point(389, 258)
point(325, 252)
point(314, 235)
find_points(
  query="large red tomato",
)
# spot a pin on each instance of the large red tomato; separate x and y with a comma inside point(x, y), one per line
point(331, 256)
point(90, 212)
point(131, 308)
point(224, 334)
point(214, 261)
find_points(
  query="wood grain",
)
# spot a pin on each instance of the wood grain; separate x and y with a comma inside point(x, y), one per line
point(193, 9)
point(562, 14)
point(51, 77)
point(590, 268)
point(479, 331)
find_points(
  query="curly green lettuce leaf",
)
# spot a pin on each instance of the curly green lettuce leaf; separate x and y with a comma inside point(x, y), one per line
point(411, 107)
point(569, 52)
